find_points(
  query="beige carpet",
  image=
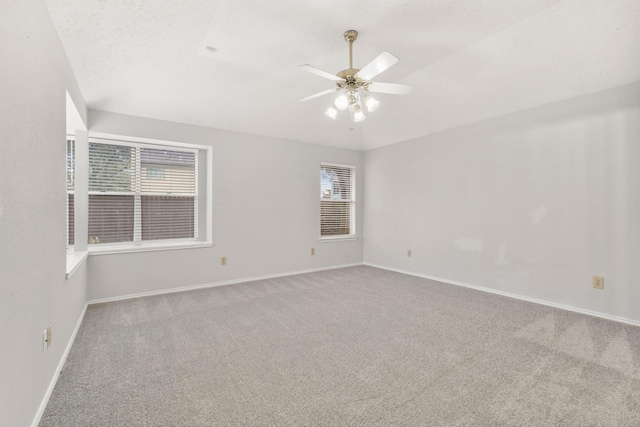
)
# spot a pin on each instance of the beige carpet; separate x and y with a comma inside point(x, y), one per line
point(354, 346)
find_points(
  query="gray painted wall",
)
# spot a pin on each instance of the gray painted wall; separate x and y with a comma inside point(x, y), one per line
point(266, 212)
point(533, 204)
point(34, 73)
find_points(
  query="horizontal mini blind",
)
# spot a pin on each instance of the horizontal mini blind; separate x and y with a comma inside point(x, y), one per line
point(71, 166)
point(112, 191)
point(337, 200)
point(138, 193)
point(168, 188)
point(111, 218)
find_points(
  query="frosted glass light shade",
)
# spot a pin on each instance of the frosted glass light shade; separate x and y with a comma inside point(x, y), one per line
point(372, 103)
point(331, 112)
point(342, 102)
point(358, 116)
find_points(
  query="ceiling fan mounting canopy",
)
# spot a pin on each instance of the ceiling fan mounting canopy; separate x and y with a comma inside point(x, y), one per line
point(350, 35)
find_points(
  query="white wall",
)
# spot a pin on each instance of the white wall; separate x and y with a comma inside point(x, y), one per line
point(266, 213)
point(533, 204)
point(34, 293)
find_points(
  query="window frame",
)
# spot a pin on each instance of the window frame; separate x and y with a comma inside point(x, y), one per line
point(204, 162)
point(352, 205)
point(76, 129)
point(77, 252)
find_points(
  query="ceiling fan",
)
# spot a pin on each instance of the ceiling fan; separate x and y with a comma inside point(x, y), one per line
point(355, 83)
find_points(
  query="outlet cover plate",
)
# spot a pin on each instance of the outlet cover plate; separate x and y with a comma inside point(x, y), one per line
point(598, 282)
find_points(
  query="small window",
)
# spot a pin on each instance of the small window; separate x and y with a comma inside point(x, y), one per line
point(337, 200)
point(155, 173)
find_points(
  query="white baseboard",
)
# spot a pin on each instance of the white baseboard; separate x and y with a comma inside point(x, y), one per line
point(54, 380)
point(510, 295)
point(215, 284)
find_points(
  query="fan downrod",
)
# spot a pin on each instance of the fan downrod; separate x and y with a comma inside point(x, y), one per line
point(349, 73)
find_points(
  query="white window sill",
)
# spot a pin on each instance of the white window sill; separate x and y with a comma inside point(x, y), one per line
point(74, 259)
point(122, 249)
point(337, 238)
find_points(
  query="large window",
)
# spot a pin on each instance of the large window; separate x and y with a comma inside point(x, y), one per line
point(140, 192)
point(337, 200)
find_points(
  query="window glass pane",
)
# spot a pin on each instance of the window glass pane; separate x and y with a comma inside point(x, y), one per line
point(167, 171)
point(335, 183)
point(71, 164)
point(111, 167)
point(166, 217)
point(70, 219)
point(71, 177)
point(335, 218)
point(110, 218)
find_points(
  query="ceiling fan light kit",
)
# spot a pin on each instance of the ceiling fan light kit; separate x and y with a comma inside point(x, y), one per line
point(355, 84)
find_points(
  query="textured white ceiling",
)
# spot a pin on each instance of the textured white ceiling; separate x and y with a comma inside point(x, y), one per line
point(468, 59)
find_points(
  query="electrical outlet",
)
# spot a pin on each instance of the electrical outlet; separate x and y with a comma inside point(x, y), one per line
point(313, 251)
point(598, 282)
point(409, 253)
point(223, 260)
point(48, 336)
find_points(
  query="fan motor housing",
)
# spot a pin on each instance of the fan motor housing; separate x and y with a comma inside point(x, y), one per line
point(350, 78)
point(349, 73)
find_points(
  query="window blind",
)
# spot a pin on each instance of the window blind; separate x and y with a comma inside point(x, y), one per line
point(71, 166)
point(337, 200)
point(139, 192)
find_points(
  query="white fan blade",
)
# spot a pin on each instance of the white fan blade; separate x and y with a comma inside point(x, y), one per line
point(318, 72)
point(392, 88)
point(324, 92)
point(378, 65)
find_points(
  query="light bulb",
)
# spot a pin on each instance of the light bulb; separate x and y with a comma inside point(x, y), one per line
point(358, 115)
point(341, 102)
point(372, 103)
point(332, 112)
